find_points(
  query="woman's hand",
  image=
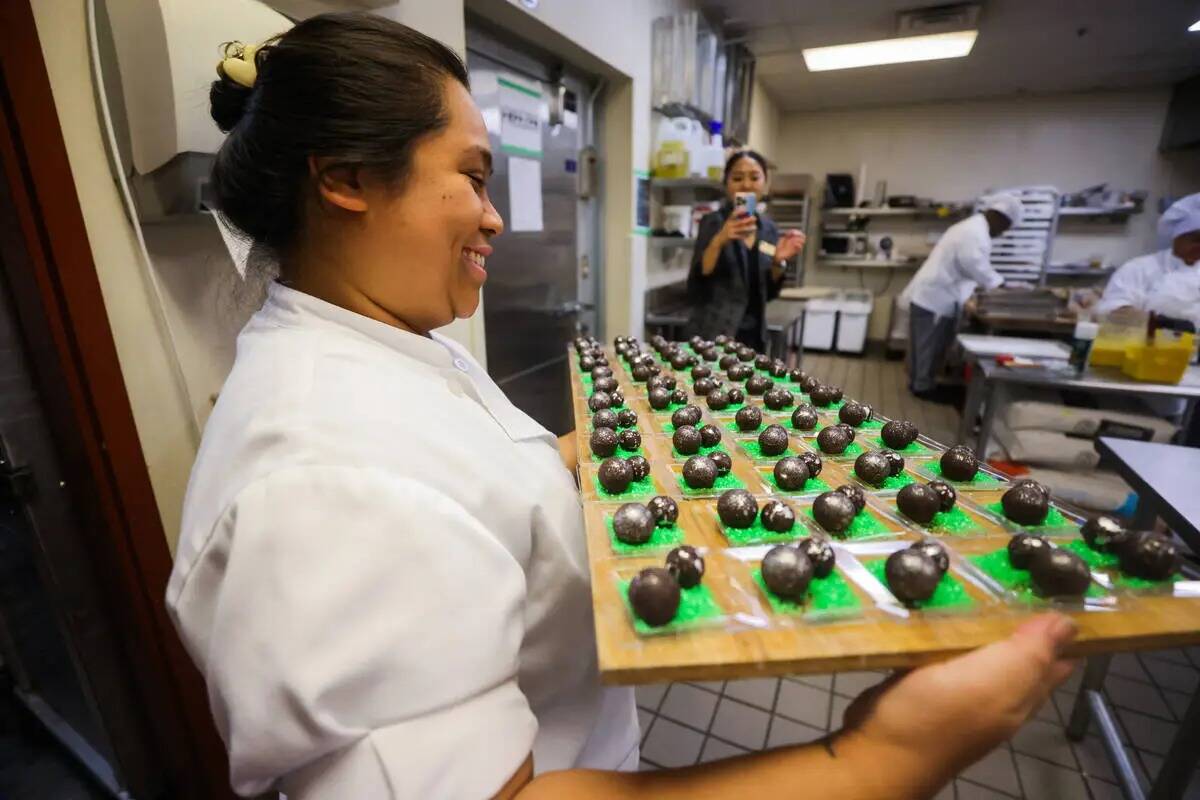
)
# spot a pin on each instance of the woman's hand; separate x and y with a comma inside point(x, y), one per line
point(738, 225)
point(963, 708)
point(790, 243)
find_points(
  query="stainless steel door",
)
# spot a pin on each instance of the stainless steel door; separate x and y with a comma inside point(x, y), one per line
point(531, 299)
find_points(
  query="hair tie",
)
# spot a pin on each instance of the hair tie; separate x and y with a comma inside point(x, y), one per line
point(237, 63)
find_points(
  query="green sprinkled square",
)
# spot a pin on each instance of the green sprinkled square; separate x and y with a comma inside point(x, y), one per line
point(1111, 564)
point(997, 566)
point(721, 484)
point(663, 538)
point(757, 534)
point(954, 522)
point(853, 450)
point(914, 449)
point(831, 593)
point(805, 431)
point(704, 451)
point(753, 449)
point(729, 410)
point(949, 594)
point(586, 378)
point(669, 409)
point(1054, 519)
point(832, 406)
point(981, 479)
point(697, 606)
point(864, 525)
point(620, 454)
point(636, 490)
point(891, 482)
point(732, 427)
point(811, 486)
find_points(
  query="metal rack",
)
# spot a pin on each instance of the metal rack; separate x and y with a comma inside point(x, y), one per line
point(1023, 251)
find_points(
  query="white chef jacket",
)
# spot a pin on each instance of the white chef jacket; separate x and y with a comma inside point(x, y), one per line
point(1139, 279)
point(959, 262)
point(382, 571)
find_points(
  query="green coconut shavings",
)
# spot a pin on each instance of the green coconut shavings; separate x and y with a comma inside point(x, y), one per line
point(862, 526)
point(891, 482)
point(757, 534)
point(950, 592)
point(999, 568)
point(1054, 519)
point(697, 606)
point(721, 484)
point(664, 538)
point(980, 479)
point(753, 449)
point(635, 490)
point(831, 593)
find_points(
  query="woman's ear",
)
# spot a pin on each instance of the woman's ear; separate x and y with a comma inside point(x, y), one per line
point(338, 184)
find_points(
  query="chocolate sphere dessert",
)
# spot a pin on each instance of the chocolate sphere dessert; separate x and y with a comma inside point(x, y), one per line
point(787, 572)
point(679, 397)
point(808, 384)
point(1152, 556)
point(703, 386)
point(895, 462)
point(748, 418)
point(723, 461)
point(912, 576)
point(701, 371)
point(687, 565)
point(898, 433)
point(821, 395)
point(603, 442)
point(813, 462)
point(587, 363)
point(654, 596)
point(1059, 573)
point(1104, 534)
point(633, 523)
point(762, 362)
point(773, 440)
point(717, 399)
point(687, 440)
point(605, 418)
point(616, 398)
point(856, 495)
point(1033, 485)
point(615, 475)
point(1024, 548)
point(736, 396)
point(710, 436)
point(1025, 505)
point(626, 418)
point(600, 400)
point(820, 553)
point(640, 373)
point(945, 493)
point(659, 398)
point(665, 381)
point(779, 369)
point(778, 517)
point(737, 508)
point(665, 511)
point(640, 467)
point(606, 384)
point(700, 472)
point(778, 398)
point(935, 551)
point(791, 474)
point(688, 415)
point(709, 354)
point(746, 354)
point(873, 468)
point(919, 503)
point(854, 413)
point(804, 418)
point(834, 511)
point(848, 430)
point(629, 440)
point(833, 440)
point(959, 463)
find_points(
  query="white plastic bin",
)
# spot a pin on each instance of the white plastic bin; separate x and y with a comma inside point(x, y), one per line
point(820, 320)
point(854, 313)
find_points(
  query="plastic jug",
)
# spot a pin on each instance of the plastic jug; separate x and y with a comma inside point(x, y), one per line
point(676, 137)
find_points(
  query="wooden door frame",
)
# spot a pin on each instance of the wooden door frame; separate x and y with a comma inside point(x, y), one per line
point(62, 314)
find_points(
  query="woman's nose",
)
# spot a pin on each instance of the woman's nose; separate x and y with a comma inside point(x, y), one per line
point(492, 223)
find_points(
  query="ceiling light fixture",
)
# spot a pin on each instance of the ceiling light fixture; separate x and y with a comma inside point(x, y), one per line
point(1195, 27)
point(890, 51)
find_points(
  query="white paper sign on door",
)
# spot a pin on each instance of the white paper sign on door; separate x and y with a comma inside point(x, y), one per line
point(520, 118)
point(524, 194)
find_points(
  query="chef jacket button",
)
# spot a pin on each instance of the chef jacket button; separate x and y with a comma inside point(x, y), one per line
point(462, 365)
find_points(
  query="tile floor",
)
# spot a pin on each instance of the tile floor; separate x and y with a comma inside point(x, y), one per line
point(690, 723)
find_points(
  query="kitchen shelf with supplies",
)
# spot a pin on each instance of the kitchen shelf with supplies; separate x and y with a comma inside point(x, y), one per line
point(872, 263)
point(932, 212)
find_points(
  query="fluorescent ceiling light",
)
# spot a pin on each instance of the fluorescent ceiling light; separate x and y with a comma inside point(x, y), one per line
point(890, 51)
point(1195, 27)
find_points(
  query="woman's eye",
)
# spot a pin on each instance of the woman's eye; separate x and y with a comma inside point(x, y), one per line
point(479, 181)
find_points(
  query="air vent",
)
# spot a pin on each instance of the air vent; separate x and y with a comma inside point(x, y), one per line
point(937, 19)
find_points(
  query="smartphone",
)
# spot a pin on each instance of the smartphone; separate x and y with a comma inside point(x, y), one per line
point(747, 201)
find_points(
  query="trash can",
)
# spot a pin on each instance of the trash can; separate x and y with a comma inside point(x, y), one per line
point(820, 322)
point(854, 314)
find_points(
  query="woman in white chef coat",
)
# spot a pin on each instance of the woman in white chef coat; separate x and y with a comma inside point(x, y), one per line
point(959, 264)
point(381, 571)
point(1167, 281)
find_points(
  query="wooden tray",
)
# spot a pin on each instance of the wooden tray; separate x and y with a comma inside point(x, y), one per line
point(873, 640)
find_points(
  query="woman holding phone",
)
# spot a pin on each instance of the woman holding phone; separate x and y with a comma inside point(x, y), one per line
point(738, 262)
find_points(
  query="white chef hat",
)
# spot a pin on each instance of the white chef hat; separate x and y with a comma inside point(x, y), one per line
point(1182, 217)
point(1007, 204)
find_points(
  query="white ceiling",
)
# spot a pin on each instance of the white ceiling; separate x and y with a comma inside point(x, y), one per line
point(1037, 46)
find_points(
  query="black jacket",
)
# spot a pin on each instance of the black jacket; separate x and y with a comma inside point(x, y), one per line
point(720, 300)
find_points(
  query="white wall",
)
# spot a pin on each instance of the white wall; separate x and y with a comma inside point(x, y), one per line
point(764, 123)
point(953, 151)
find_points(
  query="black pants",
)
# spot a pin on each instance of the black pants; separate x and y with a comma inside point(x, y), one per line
point(929, 338)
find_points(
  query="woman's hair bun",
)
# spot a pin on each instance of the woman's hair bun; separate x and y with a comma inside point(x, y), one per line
point(228, 100)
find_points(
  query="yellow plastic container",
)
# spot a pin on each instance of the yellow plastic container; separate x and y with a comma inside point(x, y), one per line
point(1164, 361)
point(1109, 351)
point(672, 160)
point(1118, 333)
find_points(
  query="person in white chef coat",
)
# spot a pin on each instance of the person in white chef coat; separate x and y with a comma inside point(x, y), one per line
point(959, 264)
point(381, 572)
point(1166, 281)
